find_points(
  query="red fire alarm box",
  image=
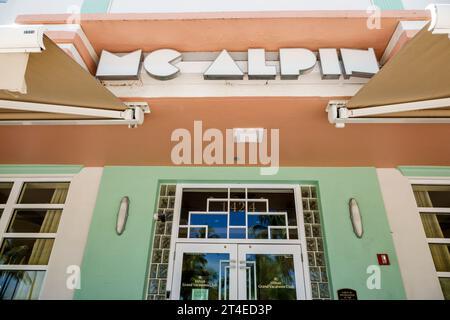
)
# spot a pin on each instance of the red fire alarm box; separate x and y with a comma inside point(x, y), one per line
point(383, 259)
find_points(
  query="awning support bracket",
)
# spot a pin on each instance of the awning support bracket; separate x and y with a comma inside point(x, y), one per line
point(339, 114)
point(132, 116)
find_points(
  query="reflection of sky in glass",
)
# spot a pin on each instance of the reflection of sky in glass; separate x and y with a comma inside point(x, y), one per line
point(237, 218)
point(237, 233)
point(217, 223)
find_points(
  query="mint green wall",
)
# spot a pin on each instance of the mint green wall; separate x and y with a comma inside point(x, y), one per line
point(389, 4)
point(115, 267)
point(425, 171)
point(40, 169)
point(95, 6)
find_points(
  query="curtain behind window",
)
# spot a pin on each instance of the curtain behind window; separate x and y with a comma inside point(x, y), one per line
point(440, 253)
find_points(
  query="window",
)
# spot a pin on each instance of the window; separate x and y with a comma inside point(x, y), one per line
point(30, 212)
point(433, 201)
point(238, 213)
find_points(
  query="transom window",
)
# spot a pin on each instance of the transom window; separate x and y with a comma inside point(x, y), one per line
point(433, 202)
point(238, 213)
point(30, 212)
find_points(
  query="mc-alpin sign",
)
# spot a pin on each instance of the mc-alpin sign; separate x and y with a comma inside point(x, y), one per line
point(161, 64)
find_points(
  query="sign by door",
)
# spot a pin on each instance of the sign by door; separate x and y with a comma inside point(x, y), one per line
point(347, 294)
point(200, 294)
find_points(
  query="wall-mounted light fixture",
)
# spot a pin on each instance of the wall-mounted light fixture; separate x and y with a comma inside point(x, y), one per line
point(122, 215)
point(355, 217)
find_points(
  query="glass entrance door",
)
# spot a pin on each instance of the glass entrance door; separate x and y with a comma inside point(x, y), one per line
point(238, 271)
point(270, 272)
point(205, 272)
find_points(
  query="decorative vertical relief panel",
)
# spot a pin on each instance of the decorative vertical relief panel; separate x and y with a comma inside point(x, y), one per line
point(314, 244)
point(161, 244)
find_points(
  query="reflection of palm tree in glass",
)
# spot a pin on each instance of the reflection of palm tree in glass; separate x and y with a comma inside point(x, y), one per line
point(261, 230)
point(195, 269)
point(275, 268)
point(212, 233)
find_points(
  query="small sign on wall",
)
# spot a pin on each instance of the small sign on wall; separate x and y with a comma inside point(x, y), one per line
point(347, 294)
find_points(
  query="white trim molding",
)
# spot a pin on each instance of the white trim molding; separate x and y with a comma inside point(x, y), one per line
point(69, 246)
point(416, 266)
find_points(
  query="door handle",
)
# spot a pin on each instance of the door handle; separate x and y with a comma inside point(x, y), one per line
point(232, 264)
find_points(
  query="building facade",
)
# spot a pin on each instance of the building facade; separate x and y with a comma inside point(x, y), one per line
point(228, 181)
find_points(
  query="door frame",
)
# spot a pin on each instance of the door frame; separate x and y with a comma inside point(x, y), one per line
point(237, 276)
point(300, 223)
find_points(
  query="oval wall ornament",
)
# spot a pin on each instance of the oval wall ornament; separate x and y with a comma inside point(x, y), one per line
point(355, 217)
point(122, 215)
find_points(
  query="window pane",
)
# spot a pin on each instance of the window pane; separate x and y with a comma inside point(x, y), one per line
point(436, 196)
point(279, 200)
point(20, 285)
point(238, 193)
point(5, 190)
point(196, 199)
point(270, 277)
point(44, 192)
point(22, 251)
point(237, 218)
point(258, 225)
point(35, 221)
point(1, 213)
point(277, 233)
point(237, 233)
point(441, 257)
point(205, 276)
point(218, 206)
point(217, 224)
point(436, 225)
point(293, 233)
point(197, 232)
point(445, 285)
point(182, 232)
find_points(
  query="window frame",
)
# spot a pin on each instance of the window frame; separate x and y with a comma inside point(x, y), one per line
point(298, 208)
point(424, 210)
point(11, 205)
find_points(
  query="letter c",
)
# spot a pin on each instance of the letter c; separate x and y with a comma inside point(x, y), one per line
point(159, 64)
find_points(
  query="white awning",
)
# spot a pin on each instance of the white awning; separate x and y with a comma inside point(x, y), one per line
point(413, 87)
point(41, 84)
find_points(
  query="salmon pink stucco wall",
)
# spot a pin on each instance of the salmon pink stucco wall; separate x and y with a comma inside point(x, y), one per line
point(306, 136)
